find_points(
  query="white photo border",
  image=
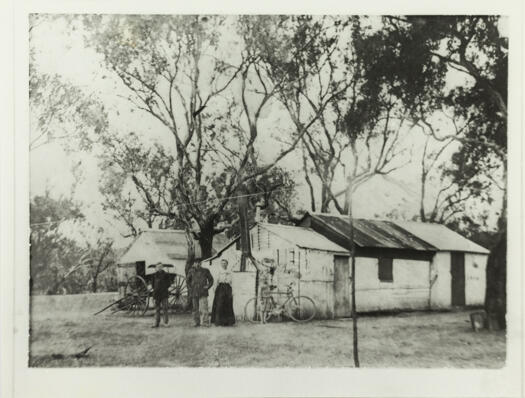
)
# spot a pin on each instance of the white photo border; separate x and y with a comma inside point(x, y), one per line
point(244, 382)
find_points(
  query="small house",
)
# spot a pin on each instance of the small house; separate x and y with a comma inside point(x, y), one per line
point(399, 265)
point(408, 265)
point(299, 255)
point(158, 245)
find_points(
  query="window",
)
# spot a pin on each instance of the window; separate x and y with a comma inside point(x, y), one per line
point(385, 270)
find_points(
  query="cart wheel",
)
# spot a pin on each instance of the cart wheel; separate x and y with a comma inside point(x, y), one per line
point(178, 291)
point(137, 294)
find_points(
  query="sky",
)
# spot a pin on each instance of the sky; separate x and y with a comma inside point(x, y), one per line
point(62, 52)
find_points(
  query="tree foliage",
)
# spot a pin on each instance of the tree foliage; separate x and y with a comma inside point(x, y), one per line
point(178, 71)
point(473, 48)
point(58, 109)
point(59, 262)
point(51, 253)
point(470, 48)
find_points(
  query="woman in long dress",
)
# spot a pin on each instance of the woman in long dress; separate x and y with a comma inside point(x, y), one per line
point(222, 309)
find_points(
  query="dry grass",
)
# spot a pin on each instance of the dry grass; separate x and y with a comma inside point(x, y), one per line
point(418, 340)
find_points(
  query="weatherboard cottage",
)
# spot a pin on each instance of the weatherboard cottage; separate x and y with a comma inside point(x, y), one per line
point(399, 265)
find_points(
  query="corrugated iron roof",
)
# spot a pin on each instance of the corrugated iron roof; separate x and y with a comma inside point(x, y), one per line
point(375, 233)
point(303, 237)
point(441, 237)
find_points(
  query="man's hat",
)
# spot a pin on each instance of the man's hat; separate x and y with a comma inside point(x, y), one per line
point(154, 265)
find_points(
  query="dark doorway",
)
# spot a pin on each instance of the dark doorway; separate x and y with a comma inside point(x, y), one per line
point(457, 271)
point(140, 268)
point(341, 287)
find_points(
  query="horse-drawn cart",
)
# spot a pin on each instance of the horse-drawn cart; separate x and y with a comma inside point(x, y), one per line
point(136, 266)
point(136, 295)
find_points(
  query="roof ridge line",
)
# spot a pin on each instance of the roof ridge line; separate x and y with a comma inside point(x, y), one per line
point(283, 225)
point(344, 216)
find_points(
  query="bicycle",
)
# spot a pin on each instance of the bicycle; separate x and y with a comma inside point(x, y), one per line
point(297, 308)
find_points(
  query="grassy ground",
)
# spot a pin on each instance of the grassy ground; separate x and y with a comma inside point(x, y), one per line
point(404, 340)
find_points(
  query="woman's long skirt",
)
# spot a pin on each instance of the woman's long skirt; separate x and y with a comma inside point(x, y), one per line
point(222, 309)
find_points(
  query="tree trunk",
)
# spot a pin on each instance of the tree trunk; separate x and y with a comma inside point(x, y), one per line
point(348, 197)
point(206, 240)
point(496, 291)
point(324, 197)
point(189, 262)
point(496, 274)
point(422, 214)
point(325, 202)
point(244, 227)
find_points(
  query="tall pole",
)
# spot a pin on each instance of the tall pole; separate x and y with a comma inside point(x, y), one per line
point(244, 227)
point(246, 251)
point(352, 259)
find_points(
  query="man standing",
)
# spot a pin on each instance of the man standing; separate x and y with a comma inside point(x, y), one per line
point(200, 280)
point(161, 284)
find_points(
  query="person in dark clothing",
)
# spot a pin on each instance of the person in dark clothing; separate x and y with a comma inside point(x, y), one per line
point(161, 284)
point(199, 280)
point(222, 308)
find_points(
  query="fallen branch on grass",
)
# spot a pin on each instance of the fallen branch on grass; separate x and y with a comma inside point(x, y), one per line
point(78, 355)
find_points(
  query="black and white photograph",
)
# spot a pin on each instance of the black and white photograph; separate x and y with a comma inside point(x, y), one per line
point(269, 191)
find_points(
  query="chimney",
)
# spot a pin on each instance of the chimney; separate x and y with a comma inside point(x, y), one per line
point(258, 212)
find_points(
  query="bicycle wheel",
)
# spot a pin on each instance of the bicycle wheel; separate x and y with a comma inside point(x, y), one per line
point(301, 309)
point(261, 313)
point(253, 313)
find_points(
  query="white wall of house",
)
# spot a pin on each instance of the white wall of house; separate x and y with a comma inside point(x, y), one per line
point(441, 296)
point(408, 290)
point(124, 271)
point(475, 278)
point(243, 288)
point(311, 270)
point(317, 280)
point(315, 268)
point(416, 284)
